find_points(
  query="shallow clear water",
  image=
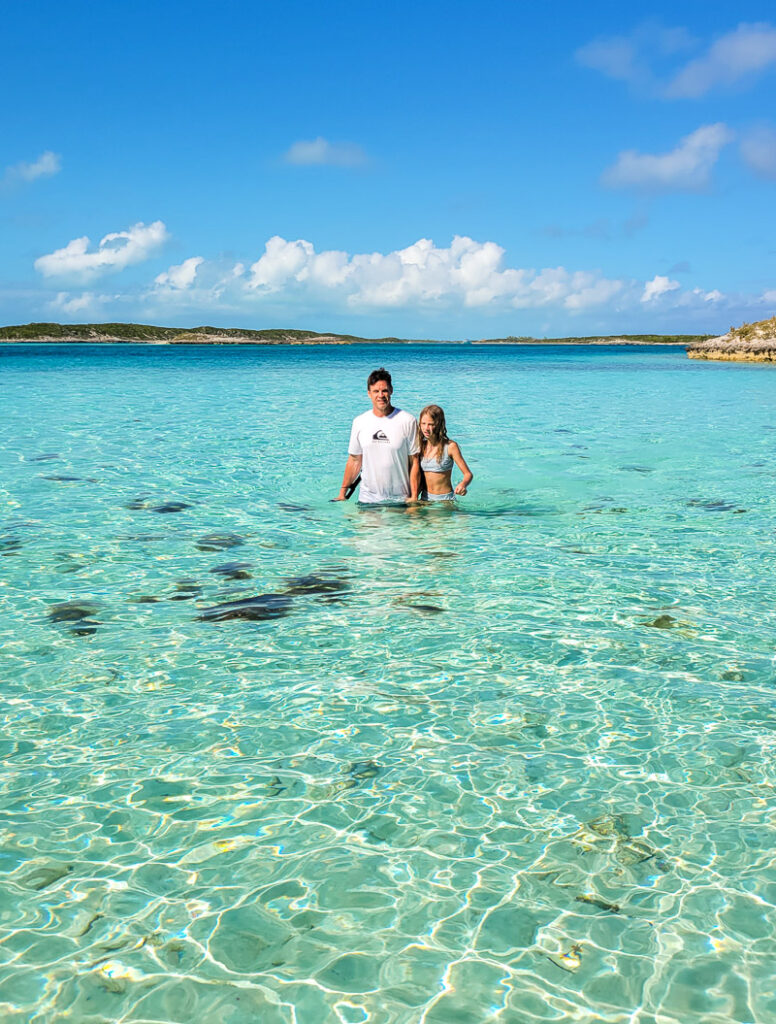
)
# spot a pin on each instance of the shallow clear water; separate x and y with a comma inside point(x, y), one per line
point(511, 762)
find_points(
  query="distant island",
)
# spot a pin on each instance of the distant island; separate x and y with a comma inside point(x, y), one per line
point(147, 334)
point(754, 343)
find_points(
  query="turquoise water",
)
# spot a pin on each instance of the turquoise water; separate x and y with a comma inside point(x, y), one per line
point(509, 763)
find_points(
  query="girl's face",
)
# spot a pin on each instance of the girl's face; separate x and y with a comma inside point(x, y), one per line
point(427, 425)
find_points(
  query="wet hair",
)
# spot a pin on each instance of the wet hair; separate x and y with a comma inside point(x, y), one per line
point(439, 436)
point(377, 375)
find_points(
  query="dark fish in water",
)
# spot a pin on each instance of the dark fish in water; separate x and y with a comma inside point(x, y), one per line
point(254, 609)
point(9, 545)
point(44, 458)
point(426, 609)
point(61, 479)
point(287, 507)
point(662, 622)
point(137, 504)
point(46, 875)
point(233, 570)
point(364, 770)
point(594, 901)
point(72, 611)
point(715, 506)
point(186, 590)
point(314, 584)
point(219, 541)
point(78, 614)
point(171, 506)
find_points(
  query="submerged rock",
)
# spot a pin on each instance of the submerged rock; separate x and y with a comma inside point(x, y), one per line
point(254, 609)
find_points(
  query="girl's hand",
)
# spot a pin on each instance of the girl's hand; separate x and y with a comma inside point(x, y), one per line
point(461, 488)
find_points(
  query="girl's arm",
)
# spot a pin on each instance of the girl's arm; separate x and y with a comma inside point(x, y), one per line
point(460, 462)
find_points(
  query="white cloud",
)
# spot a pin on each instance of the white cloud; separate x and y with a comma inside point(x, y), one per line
point(687, 167)
point(630, 58)
point(748, 49)
point(320, 151)
point(758, 149)
point(467, 273)
point(616, 57)
point(47, 165)
point(115, 251)
point(179, 277)
point(77, 303)
point(658, 286)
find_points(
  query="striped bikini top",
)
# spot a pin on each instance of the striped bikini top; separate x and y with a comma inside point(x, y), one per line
point(443, 465)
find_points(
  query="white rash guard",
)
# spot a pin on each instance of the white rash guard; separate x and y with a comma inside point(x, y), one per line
point(385, 444)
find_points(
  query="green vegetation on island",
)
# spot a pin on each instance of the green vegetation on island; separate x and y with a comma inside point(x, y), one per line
point(150, 335)
point(755, 343)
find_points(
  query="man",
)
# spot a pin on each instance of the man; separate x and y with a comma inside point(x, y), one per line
point(383, 449)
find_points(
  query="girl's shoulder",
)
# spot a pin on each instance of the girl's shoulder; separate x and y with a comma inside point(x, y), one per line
point(453, 446)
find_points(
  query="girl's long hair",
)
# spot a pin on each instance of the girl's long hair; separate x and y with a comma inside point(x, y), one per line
point(439, 438)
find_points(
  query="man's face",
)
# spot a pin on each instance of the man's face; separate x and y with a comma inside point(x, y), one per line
point(380, 393)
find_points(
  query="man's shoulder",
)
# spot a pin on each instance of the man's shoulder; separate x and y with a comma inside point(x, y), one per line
point(364, 417)
point(402, 416)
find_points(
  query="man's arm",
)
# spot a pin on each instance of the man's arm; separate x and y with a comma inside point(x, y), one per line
point(352, 469)
point(414, 477)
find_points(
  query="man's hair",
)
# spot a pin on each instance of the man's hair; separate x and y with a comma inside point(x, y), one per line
point(376, 375)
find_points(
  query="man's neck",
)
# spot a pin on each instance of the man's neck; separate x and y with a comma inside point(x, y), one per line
point(388, 411)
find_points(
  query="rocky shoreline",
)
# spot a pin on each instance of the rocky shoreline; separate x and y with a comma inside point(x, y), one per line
point(749, 343)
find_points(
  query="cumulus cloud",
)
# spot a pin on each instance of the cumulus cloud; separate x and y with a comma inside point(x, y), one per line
point(116, 251)
point(467, 272)
point(47, 165)
point(685, 168)
point(71, 304)
point(319, 152)
point(179, 277)
point(423, 278)
point(658, 286)
point(740, 54)
point(758, 149)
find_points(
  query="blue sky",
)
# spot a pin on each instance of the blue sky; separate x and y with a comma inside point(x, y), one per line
point(419, 169)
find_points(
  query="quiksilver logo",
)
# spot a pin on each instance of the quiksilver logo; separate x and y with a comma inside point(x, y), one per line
point(380, 435)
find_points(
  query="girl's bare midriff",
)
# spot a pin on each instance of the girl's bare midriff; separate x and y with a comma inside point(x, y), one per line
point(439, 483)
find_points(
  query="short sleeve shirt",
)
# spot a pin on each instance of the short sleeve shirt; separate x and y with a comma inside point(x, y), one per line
point(385, 444)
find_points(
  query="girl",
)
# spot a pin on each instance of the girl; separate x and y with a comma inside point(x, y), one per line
point(437, 455)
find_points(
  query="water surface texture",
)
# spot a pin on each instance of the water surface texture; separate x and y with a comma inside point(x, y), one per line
point(268, 758)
